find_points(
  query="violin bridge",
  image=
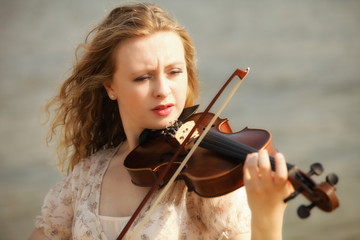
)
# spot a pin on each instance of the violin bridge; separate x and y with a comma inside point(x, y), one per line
point(184, 131)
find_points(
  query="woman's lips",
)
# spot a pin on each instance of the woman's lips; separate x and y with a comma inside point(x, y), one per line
point(163, 110)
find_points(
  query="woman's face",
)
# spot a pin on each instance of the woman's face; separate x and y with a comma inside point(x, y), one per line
point(150, 81)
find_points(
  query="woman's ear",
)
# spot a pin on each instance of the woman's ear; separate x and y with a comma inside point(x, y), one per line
point(109, 89)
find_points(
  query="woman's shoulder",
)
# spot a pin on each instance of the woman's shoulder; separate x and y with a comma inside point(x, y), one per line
point(91, 168)
point(95, 161)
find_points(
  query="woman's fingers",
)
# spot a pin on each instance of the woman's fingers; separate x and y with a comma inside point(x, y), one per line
point(281, 171)
point(264, 166)
point(258, 172)
point(250, 170)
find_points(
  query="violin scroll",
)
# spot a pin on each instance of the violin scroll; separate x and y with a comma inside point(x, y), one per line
point(321, 195)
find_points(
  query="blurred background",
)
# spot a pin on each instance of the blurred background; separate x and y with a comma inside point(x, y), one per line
point(304, 87)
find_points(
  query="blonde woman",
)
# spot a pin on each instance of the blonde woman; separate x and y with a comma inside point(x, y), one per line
point(136, 71)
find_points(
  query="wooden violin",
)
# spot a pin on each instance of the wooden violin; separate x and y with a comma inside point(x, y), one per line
point(215, 167)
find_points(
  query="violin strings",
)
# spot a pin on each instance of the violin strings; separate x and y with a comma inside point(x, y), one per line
point(227, 146)
point(217, 142)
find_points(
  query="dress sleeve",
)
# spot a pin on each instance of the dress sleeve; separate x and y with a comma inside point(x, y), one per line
point(57, 212)
point(226, 216)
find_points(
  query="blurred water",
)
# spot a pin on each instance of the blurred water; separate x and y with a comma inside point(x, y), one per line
point(304, 87)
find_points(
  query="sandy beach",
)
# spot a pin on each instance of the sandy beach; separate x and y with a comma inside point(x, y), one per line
point(304, 87)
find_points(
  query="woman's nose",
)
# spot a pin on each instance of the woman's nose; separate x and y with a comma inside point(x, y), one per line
point(162, 88)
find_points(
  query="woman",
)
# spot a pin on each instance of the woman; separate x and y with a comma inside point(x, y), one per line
point(138, 72)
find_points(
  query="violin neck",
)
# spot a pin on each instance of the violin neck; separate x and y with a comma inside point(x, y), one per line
point(219, 143)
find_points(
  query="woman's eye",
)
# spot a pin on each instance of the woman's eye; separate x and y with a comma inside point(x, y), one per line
point(176, 71)
point(142, 78)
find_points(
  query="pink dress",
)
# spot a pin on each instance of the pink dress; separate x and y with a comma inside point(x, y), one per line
point(71, 210)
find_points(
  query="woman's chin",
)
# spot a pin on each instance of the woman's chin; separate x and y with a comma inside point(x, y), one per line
point(165, 121)
point(163, 124)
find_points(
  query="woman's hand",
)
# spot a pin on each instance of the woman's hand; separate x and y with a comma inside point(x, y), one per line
point(266, 191)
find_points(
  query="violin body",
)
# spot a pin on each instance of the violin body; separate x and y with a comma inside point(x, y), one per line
point(208, 173)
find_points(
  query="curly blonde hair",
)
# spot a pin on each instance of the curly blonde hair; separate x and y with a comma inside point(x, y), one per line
point(85, 120)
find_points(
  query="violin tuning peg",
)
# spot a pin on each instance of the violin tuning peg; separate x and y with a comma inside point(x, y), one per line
point(332, 179)
point(316, 169)
point(304, 211)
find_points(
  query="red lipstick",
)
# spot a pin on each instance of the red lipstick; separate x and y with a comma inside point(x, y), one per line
point(163, 110)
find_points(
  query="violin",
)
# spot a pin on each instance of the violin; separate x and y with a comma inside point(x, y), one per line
point(215, 168)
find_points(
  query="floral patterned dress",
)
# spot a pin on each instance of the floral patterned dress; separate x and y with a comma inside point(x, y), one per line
point(71, 209)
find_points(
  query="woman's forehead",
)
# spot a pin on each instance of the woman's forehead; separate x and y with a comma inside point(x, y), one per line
point(161, 48)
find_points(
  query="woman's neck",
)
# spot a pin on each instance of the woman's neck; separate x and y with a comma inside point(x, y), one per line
point(132, 139)
point(121, 153)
